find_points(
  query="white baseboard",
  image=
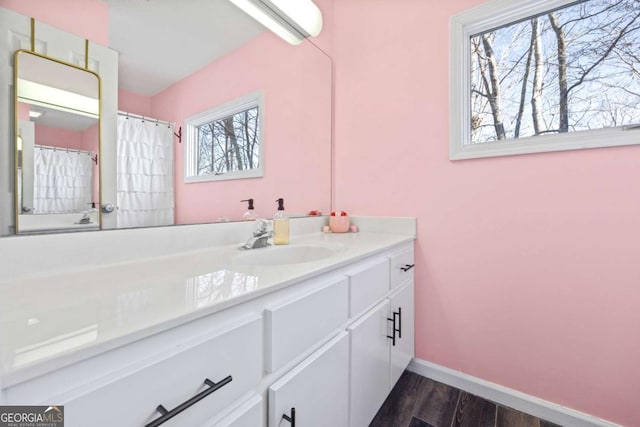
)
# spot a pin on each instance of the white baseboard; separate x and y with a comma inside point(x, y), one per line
point(507, 397)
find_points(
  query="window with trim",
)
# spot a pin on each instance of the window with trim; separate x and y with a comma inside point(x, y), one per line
point(544, 75)
point(225, 142)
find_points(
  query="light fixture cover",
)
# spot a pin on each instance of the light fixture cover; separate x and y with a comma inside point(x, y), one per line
point(293, 20)
point(304, 13)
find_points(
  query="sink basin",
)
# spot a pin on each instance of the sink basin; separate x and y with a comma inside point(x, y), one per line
point(290, 254)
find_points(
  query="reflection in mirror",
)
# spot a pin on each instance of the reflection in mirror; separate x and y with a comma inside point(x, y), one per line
point(227, 58)
point(225, 142)
point(57, 145)
point(166, 65)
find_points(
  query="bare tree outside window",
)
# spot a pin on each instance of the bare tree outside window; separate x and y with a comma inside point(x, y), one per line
point(571, 69)
point(229, 144)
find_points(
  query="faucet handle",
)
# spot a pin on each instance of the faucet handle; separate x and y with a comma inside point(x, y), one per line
point(262, 227)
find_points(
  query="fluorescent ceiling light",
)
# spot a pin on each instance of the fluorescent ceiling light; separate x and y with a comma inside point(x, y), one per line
point(293, 20)
point(46, 96)
point(35, 114)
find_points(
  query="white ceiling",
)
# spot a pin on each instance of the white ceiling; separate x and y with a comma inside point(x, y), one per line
point(163, 41)
point(62, 119)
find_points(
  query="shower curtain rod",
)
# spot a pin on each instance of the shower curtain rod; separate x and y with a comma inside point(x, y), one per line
point(68, 150)
point(143, 118)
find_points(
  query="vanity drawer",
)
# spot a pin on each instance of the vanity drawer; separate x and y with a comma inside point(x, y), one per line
point(402, 266)
point(368, 283)
point(295, 325)
point(131, 399)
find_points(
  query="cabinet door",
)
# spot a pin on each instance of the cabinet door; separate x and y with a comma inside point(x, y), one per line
point(249, 414)
point(402, 352)
point(317, 389)
point(369, 364)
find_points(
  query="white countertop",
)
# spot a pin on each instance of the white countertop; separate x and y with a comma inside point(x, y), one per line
point(47, 320)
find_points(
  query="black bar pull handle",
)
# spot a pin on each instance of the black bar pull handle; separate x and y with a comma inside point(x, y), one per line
point(291, 418)
point(392, 337)
point(167, 415)
point(396, 327)
point(407, 267)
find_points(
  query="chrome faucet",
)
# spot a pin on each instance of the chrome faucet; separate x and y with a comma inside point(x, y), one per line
point(261, 236)
point(86, 219)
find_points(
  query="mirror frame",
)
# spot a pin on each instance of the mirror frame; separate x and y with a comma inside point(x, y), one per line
point(16, 126)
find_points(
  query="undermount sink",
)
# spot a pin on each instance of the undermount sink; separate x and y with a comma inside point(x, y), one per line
point(290, 254)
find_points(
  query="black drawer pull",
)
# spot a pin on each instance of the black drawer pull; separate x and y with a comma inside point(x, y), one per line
point(407, 267)
point(167, 415)
point(292, 418)
point(395, 328)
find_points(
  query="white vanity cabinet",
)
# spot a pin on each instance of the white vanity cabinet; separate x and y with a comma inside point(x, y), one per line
point(379, 354)
point(323, 351)
point(381, 347)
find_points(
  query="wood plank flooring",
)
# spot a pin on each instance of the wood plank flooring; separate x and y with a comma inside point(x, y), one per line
point(417, 401)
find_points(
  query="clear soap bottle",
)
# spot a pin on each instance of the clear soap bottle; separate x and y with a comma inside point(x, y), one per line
point(248, 215)
point(280, 225)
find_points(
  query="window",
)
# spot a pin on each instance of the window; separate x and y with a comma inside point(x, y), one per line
point(544, 75)
point(225, 142)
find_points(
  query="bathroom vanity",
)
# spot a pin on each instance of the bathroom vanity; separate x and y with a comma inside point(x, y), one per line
point(314, 333)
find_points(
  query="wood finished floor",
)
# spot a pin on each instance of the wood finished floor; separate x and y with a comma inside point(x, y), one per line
point(417, 401)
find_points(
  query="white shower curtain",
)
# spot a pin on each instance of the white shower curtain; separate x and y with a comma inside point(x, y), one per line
point(62, 180)
point(145, 173)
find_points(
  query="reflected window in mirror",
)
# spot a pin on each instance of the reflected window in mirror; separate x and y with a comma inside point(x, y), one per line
point(225, 142)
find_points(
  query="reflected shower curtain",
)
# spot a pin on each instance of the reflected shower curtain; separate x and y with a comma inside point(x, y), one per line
point(145, 173)
point(62, 180)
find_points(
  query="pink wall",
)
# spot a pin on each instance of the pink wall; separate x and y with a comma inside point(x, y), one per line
point(296, 83)
point(527, 270)
point(23, 111)
point(58, 137)
point(135, 103)
point(90, 21)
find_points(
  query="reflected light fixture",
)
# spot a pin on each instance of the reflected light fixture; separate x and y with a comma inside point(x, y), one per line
point(19, 142)
point(292, 20)
point(35, 114)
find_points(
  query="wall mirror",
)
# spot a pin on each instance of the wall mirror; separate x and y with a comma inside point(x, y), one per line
point(57, 113)
point(174, 63)
point(206, 56)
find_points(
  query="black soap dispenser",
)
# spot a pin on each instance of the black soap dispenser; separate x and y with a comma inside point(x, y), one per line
point(249, 215)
